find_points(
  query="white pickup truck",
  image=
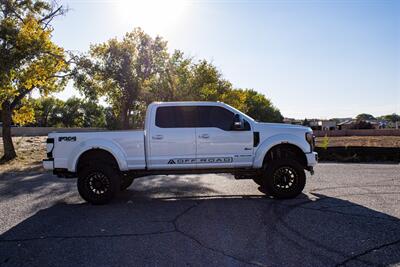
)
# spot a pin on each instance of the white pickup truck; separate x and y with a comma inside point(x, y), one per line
point(182, 138)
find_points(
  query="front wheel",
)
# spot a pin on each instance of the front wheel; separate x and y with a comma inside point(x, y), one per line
point(284, 179)
point(98, 184)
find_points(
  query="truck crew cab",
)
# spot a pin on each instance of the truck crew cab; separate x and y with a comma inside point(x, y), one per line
point(183, 138)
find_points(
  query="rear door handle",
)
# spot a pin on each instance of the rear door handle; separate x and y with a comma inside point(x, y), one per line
point(157, 137)
point(205, 136)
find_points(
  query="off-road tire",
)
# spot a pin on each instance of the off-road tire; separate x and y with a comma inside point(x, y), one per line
point(98, 183)
point(284, 179)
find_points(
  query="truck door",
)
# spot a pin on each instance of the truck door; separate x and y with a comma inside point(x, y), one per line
point(172, 138)
point(218, 145)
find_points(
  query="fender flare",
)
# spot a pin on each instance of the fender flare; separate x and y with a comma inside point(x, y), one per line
point(107, 145)
point(278, 139)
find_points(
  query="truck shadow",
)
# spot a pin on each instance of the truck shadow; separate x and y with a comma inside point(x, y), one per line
point(312, 230)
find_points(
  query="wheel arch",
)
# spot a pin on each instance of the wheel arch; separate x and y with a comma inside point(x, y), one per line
point(285, 151)
point(286, 141)
point(98, 146)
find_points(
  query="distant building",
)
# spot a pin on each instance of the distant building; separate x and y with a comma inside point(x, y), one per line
point(292, 121)
point(322, 125)
point(347, 124)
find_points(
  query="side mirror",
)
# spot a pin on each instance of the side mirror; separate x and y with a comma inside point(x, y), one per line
point(238, 123)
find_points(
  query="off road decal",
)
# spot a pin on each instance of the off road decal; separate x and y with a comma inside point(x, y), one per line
point(200, 160)
point(67, 138)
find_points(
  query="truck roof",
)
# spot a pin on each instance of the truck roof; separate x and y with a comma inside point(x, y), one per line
point(189, 103)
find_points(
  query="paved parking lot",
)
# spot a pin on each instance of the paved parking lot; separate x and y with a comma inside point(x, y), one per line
point(348, 215)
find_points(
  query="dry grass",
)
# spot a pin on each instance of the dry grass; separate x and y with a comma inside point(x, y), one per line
point(370, 141)
point(30, 150)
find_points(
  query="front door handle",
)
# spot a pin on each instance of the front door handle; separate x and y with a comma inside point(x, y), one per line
point(157, 137)
point(205, 136)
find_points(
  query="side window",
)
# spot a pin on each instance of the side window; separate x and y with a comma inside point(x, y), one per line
point(165, 117)
point(176, 117)
point(213, 116)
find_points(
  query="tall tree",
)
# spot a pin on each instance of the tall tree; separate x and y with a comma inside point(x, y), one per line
point(173, 81)
point(44, 110)
point(120, 70)
point(181, 79)
point(29, 59)
point(392, 117)
point(260, 108)
point(365, 117)
point(72, 113)
point(93, 114)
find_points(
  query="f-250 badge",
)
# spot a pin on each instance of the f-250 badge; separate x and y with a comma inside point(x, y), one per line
point(67, 138)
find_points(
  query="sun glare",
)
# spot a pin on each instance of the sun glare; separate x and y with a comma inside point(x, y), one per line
point(154, 16)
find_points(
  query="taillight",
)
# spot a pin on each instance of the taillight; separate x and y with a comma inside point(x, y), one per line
point(49, 147)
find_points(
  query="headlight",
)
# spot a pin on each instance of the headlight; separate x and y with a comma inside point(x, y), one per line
point(311, 140)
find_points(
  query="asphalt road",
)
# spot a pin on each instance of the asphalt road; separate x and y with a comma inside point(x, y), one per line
point(348, 215)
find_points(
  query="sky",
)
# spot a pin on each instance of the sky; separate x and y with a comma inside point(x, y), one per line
point(313, 59)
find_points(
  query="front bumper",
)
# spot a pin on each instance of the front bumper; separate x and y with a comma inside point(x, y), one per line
point(312, 159)
point(48, 164)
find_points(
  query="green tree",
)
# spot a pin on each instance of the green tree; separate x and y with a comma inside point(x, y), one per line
point(111, 119)
point(173, 81)
point(120, 70)
point(181, 79)
point(207, 83)
point(72, 113)
point(392, 117)
point(93, 114)
point(260, 108)
point(138, 70)
point(44, 110)
point(55, 117)
point(365, 117)
point(29, 61)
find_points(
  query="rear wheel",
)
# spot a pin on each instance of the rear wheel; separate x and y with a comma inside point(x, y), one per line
point(98, 183)
point(284, 179)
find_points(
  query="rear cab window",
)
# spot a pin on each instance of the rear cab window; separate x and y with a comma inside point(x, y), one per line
point(176, 117)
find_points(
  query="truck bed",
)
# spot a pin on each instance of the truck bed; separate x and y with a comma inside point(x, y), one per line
point(129, 145)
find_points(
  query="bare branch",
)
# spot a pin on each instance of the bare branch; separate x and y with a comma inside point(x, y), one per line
point(53, 14)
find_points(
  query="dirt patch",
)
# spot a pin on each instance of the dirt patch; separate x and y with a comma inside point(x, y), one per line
point(361, 141)
point(30, 150)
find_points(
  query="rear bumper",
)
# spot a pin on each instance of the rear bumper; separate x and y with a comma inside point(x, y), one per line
point(312, 159)
point(48, 164)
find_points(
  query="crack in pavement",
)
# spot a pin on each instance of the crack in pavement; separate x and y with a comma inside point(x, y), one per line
point(84, 236)
point(176, 229)
point(323, 209)
point(175, 223)
point(327, 209)
point(352, 186)
point(355, 257)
